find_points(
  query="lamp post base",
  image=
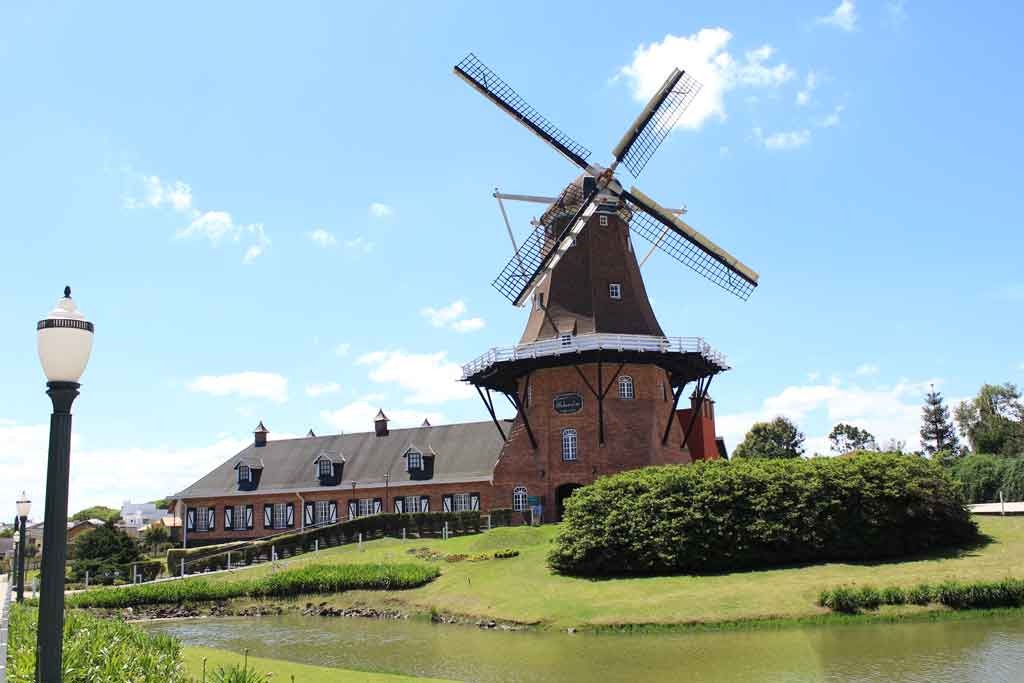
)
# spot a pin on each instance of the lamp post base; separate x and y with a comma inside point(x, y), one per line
point(50, 638)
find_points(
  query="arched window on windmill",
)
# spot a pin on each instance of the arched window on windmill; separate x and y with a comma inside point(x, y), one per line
point(626, 390)
point(519, 499)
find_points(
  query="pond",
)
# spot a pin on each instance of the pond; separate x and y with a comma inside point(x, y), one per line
point(984, 649)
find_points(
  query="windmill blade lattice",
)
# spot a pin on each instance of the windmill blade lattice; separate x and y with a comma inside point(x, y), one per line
point(501, 93)
point(660, 229)
point(636, 150)
point(524, 269)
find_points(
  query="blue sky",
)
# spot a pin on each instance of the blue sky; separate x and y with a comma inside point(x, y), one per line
point(286, 215)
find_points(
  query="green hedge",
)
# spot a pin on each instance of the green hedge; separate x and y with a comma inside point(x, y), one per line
point(214, 557)
point(95, 651)
point(720, 515)
point(983, 476)
point(954, 594)
point(305, 580)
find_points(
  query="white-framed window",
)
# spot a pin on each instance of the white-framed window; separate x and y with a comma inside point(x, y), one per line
point(365, 507)
point(602, 221)
point(244, 474)
point(322, 512)
point(279, 516)
point(461, 502)
point(566, 339)
point(202, 519)
point(325, 468)
point(626, 388)
point(519, 498)
point(615, 290)
point(411, 504)
point(569, 441)
point(414, 460)
point(238, 518)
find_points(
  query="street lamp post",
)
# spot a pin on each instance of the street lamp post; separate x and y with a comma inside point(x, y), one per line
point(354, 501)
point(64, 340)
point(387, 479)
point(24, 506)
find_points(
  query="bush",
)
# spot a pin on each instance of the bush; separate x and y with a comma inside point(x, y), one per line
point(954, 594)
point(95, 651)
point(720, 515)
point(305, 580)
point(981, 476)
point(505, 554)
point(501, 517)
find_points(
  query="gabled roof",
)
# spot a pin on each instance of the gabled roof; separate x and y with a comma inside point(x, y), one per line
point(253, 462)
point(260, 429)
point(381, 416)
point(327, 455)
point(463, 452)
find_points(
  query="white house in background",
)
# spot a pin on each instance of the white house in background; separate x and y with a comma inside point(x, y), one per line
point(137, 515)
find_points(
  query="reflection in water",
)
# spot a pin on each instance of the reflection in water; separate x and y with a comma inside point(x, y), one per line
point(956, 651)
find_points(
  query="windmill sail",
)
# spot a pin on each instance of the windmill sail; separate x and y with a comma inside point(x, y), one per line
point(688, 246)
point(491, 86)
point(541, 251)
point(653, 124)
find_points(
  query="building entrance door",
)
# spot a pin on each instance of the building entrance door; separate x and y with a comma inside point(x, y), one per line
point(561, 494)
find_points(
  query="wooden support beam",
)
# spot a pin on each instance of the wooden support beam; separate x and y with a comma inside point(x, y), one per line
point(672, 414)
point(490, 409)
point(517, 402)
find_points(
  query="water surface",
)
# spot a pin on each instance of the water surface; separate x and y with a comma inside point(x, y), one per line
point(982, 650)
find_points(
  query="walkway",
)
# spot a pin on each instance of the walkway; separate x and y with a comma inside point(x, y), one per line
point(997, 508)
point(5, 598)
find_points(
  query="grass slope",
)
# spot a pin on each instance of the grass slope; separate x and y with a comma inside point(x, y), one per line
point(283, 670)
point(523, 589)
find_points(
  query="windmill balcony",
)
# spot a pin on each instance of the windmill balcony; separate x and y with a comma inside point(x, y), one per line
point(634, 343)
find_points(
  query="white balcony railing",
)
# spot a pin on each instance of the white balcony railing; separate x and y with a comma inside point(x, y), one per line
point(594, 342)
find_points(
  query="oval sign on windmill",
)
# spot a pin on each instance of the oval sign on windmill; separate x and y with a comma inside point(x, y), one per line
point(568, 403)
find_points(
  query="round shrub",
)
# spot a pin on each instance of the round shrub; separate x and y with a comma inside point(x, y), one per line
point(721, 516)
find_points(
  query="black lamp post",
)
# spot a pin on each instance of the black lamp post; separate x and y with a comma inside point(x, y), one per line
point(64, 343)
point(354, 501)
point(387, 480)
point(24, 506)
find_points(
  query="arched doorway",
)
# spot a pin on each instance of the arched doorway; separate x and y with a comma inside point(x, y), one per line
point(561, 494)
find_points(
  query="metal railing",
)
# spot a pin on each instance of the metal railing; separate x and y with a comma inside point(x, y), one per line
point(595, 342)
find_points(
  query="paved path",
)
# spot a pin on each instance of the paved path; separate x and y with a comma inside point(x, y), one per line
point(997, 508)
point(4, 598)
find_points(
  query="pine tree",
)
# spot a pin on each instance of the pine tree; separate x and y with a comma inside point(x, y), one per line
point(937, 432)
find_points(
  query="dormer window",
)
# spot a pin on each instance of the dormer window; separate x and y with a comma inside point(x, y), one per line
point(325, 468)
point(244, 474)
point(615, 290)
point(602, 220)
point(414, 461)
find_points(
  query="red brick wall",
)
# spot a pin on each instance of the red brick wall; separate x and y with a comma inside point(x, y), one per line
point(702, 438)
point(341, 494)
point(632, 431)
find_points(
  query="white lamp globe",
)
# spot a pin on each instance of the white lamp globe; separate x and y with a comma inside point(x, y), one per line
point(24, 505)
point(64, 341)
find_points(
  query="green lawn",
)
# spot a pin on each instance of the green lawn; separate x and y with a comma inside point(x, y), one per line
point(282, 671)
point(523, 589)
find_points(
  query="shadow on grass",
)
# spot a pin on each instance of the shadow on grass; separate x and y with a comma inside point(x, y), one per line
point(953, 552)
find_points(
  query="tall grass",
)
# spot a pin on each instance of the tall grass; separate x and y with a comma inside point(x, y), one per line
point(95, 651)
point(305, 580)
point(954, 594)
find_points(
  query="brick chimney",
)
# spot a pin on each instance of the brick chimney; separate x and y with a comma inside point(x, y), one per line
point(380, 424)
point(261, 435)
point(702, 439)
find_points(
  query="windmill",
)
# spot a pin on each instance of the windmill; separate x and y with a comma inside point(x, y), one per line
point(591, 325)
point(601, 192)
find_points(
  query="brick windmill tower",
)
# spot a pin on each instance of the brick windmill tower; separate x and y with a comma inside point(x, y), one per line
point(594, 379)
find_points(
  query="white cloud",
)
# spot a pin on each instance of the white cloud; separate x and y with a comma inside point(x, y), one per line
point(322, 238)
point(141, 473)
point(343, 349)
point(867, 369)
point(832, 120)
point(843, 17)
point(316, 390)
point(783, 140)
point(158, 194)
point(441, 317)
point(358, 416)
point(378, 210)
point(425, 378)
point(359, 244)
point(887, 412)
point(256, 250)
point(450, 316)
point(704, 56)
point(810, 84)
point(469, 324)
point(267, 385)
